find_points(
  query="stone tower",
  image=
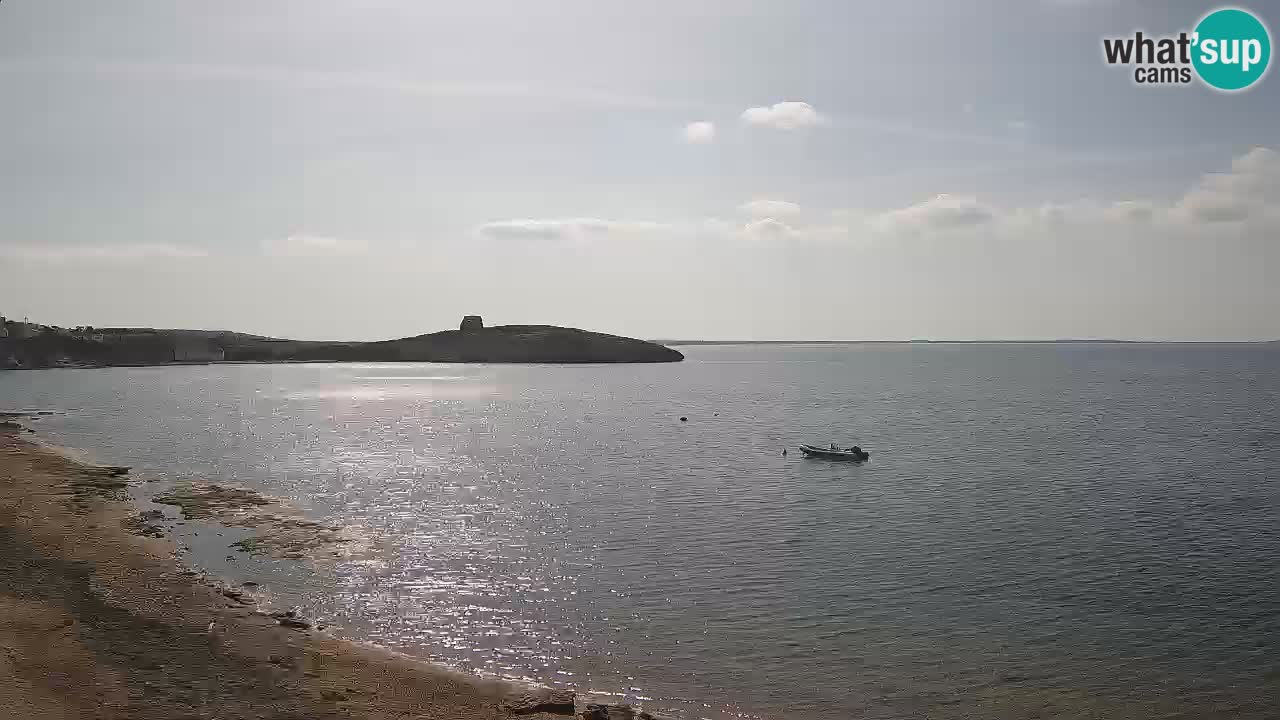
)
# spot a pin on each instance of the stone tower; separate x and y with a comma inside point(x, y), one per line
point(471, 322)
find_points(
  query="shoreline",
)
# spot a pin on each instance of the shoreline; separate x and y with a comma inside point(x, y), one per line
point(98, 620)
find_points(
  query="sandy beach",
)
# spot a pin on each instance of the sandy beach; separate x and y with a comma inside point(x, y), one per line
point(97, 621)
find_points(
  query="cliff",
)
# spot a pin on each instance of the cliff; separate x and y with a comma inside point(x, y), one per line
point(55, 347)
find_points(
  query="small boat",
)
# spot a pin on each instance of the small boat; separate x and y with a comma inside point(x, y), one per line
point(855, 453)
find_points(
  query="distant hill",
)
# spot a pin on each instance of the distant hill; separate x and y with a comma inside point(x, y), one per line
point(499, 344)
point(38, 346)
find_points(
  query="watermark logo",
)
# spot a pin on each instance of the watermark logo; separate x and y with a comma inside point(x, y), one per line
point(1229, 50)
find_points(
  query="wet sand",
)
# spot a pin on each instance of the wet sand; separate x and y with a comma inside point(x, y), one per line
point(99, 622)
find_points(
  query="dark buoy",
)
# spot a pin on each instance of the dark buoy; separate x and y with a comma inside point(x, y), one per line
point(784, 452)
point(684, 419)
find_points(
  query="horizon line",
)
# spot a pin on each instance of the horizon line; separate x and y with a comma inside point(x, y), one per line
point(922, 341)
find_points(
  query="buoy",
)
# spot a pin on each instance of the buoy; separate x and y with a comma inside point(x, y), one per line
point(684, 419)
point(784, 452)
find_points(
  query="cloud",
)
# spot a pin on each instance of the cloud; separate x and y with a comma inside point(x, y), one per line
point(770, 208)
point(1134, 211)
point(589, 229)
point(783, 116)
point(341, 80)
point(940, 213)
point(1250, 189)
point(566, 229)
point(700, 133)
point(313, 246)
point(1248, 193)
point(107, 253)
point(768, 229)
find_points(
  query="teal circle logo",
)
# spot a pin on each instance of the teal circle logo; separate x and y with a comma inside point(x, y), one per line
point(1231, 49)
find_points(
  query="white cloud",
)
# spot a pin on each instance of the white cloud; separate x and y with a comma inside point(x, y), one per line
point(324, 79)
point(762, 208)
point(108, 253)
point(312, 246)
point(1250, 189)
point(783, 116)
point(700, 133)
point(768, 229)
point(567, 229)
point(714, 227)
point(1248, 193)
point(940, 213)
point(1134, 211)
point(1055, 215)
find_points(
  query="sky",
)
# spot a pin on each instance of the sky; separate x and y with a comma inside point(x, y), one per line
point(699, 169)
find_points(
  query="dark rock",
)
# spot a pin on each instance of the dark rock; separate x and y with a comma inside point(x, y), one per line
point(598, 711)
point(295, 623)
point(101, 478)
point(201, 502)
point(684, 419)
point(141, 524)
point(528, 701)
point(249, 546)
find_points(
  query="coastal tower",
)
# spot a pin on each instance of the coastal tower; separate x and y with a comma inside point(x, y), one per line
point(471, 322)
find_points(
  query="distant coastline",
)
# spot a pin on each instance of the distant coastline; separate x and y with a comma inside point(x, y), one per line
point(1065, 341)
point(25, 345)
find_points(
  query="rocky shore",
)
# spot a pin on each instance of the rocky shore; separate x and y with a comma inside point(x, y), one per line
point(99, 619)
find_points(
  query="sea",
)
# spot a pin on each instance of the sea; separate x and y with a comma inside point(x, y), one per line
point(1057, 530)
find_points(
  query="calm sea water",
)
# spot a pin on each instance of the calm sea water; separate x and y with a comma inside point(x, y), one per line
point(1043, 530)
